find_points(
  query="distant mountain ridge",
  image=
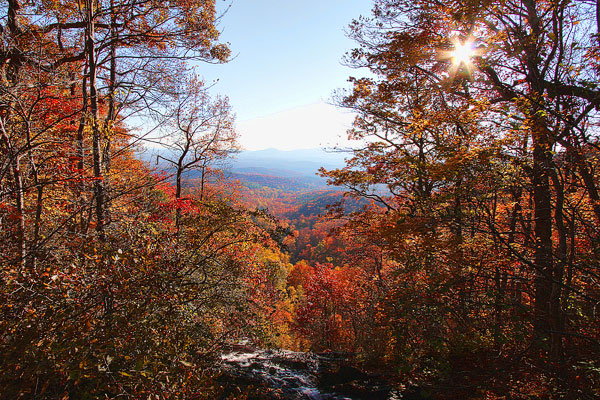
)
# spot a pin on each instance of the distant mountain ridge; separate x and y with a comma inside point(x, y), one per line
point(305, 161)
point(294, 170)
point(298, 168)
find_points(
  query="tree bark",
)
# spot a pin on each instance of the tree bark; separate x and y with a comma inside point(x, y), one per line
point(542, 202)
point(20, 208)
point(112, 109)
point(556, 314)
point(99, 193)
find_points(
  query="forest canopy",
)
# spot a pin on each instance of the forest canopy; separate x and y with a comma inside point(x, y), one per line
point(481, 123)
point(116, 281)
point(463, 257)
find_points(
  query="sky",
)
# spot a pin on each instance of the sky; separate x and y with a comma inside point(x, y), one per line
point(286, 64)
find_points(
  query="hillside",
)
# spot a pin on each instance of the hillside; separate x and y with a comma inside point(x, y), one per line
point(294, 170)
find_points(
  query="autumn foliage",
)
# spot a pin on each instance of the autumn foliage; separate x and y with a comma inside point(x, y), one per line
point(116, 280)
point(475, 265)
point(458, 252)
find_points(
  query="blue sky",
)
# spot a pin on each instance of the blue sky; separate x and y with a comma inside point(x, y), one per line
point(287, 62)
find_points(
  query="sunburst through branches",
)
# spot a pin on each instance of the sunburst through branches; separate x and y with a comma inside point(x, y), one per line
point(461, 57)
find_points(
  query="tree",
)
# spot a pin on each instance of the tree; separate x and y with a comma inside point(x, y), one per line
point(82, 317)
point(469, 127)
point(203, 135)
point(124, 43)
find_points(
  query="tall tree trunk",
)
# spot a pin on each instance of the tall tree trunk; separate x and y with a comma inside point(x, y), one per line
point(80, 186)
point(33, 247)
point(14, 160)
point(178, 181)
point(112, 108)
point(556, 314)
point(542, 202)
point(540, 179)
point(177, 198)
point(12, 75)
point(20, 208)
point(99, 192)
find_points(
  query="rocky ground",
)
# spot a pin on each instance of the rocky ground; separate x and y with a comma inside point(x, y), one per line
point(281, 374)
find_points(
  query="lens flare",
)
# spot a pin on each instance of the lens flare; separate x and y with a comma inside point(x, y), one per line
point(462, 57)
point(462, 53)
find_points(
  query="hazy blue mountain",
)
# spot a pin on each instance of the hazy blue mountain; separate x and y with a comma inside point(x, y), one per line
point(275, 162)
point(297, 169)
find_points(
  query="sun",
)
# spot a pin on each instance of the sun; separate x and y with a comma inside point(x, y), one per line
point(462, 53)
point(462, 57)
